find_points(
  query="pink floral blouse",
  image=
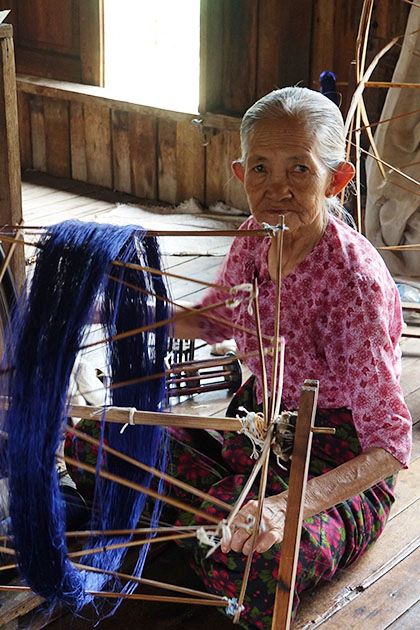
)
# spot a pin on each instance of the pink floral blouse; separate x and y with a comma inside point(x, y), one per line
point(341, 319)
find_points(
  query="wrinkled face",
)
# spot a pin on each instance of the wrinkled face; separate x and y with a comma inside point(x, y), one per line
point(283, 174)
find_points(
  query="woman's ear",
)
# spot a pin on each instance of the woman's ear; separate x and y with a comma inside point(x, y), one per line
point(238, 170)
point(342, 175)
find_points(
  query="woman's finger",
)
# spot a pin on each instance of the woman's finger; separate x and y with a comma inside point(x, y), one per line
point(267, 540)
point(263, 543)
point(238, 539)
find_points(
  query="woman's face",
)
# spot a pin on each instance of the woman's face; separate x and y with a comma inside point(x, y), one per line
point(283, 174)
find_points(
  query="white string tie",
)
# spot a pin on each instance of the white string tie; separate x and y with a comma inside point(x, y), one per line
point(225, 531)
point(273, 229)
point(98, 412)
point(253, 428)
point(222, 534)
point(131, 421)
point(245, 287)
point(233, 607)
point(206, 538)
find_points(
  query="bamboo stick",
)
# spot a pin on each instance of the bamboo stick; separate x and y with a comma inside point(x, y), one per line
point(86, 533)
point(274, 373)
point(191, 309)
point(263, 365)
point(139, 488)
point(203, 311)
point(18, 241)
point(133, 596)
point(147, 582)
point(413, 192)
point(156, 233)
point(122, 545)
point(357, 167)
point(161, 598)
point(256, 530)
point(7, 567)
point(251, 478)
point(366, 76)
point(391, 84)
point(265, 455)
point(361, 49)
point(153, 326)
point(121, 415)
point(169, 274)
point(401, 248)
point(150, 469)
point(393, 168)
point(231, 233)
point(8, 258)
point(412, 3)
point(391, 119)
point(370, 136)
point(127, 544)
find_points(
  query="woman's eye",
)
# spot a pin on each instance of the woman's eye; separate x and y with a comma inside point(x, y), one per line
point(300, 168)
point(259, 168)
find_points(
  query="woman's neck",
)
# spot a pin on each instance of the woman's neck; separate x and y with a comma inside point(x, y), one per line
point(297, 244)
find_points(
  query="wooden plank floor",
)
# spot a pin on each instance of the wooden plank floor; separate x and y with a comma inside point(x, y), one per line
point(381, 590)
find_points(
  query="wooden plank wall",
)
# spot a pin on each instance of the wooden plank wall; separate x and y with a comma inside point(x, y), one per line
point(148, 156)
point(162, 156)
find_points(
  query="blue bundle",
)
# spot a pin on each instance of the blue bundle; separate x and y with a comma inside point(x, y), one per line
point(71, 278)
point(328, 85)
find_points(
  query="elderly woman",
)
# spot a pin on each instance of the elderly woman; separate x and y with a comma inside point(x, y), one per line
point(341, 319)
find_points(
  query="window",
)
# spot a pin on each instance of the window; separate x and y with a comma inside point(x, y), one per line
point(152, 52)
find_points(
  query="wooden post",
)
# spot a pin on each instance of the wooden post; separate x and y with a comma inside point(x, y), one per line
point(295, 502)
point(10, 182)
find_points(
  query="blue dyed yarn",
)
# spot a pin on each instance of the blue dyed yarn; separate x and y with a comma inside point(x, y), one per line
point(46, 333)
point(327, 81)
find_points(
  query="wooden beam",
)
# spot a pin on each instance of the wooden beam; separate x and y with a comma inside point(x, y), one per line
point(10, 184)
point(90, 94)
point(92, 41)
point(295, 503)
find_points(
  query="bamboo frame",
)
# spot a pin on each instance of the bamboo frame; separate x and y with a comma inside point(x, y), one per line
point(153, 471)
point(139, 488)
point(276, 392)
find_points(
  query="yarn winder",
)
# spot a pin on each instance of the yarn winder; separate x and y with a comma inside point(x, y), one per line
point(208, 375)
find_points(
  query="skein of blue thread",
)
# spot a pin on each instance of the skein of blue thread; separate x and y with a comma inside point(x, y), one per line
point(121, 506)
point(46, 335)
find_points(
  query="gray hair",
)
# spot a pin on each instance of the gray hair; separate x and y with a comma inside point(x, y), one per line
point(319, 114)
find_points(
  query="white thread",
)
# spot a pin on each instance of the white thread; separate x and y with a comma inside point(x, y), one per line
point(283, 437)
point(205, 538)
point(97, 412)
point(233, 607)
point(245, 287)
point(252, 431)
point(131, 421)
point(222, 534)
point(273, 229)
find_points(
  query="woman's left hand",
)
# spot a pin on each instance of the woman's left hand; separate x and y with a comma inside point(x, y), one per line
point(271, 528)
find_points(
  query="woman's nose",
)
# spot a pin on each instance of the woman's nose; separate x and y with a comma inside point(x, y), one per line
point(279, 186)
